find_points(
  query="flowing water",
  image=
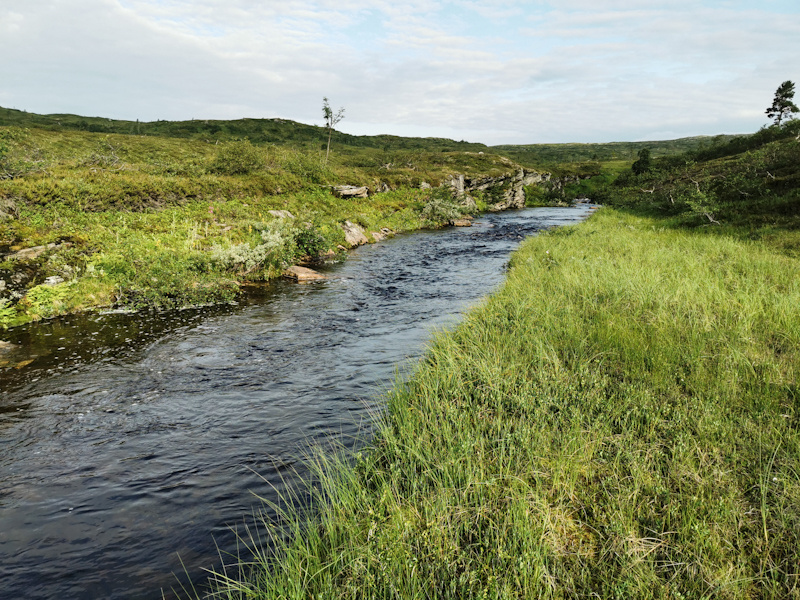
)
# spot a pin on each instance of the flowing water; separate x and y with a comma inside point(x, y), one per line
point(130, 440)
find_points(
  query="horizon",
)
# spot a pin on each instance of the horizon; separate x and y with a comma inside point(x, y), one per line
point(522, 144)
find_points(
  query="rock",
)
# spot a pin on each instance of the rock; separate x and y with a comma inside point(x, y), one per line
point(54, 280)
point(329, 254)
point(8, 209)
point(354, 234)
point(302, 274)
point(281, 214)
point(6, 346)
point(457, 183)
point(35, 252)
point(2, 284)
point(378, 236)
point(424, 185)
point(386, 230)
point(462, 223)
point(350, 191)
point(340, 247)
point(381, 188)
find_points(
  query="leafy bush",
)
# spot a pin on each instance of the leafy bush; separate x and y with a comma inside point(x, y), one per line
point(237, 158)
point(310, 242)
point(441, 207)
point(277, 249)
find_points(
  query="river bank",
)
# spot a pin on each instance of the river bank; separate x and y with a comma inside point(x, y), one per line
point(621, 419)
point(91, 221)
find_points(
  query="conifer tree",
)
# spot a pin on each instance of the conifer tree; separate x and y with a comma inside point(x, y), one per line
point(782, 106)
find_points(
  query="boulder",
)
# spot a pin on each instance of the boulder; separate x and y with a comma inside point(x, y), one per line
point(354, 234)
point(424, 185)
point(302, 274)
point(462, 223)
point(8, 209)
point(54, 280)
point(378, 236)
point(281, 214)
point(350, 191)
point(6, 346)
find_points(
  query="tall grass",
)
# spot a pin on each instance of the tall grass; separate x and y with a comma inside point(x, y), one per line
point(619, 421)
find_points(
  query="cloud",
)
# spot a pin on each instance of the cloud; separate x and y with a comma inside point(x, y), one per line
point(500, 71)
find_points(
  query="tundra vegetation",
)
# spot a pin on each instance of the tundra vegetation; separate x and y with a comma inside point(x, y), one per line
point(620, 420)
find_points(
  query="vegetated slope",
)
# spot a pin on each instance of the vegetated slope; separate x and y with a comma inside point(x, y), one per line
point(621, 420)
point(747, 187)
point(164, 222)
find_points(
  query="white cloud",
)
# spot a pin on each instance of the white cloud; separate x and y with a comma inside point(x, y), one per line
point(500, 71)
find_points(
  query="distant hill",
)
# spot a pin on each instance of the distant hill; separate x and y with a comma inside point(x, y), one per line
point(285, 132)
point(604, 152)
point(259, 131)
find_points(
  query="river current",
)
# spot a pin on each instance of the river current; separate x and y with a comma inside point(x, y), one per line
point(131, 445)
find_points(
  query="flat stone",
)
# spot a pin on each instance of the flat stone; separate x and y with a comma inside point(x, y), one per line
point(281, 214)
point(302, 274)
point(350, 191)
point(462, 223)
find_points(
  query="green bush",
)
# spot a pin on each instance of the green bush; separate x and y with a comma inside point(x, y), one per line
point(237, 158)
point(441, 207)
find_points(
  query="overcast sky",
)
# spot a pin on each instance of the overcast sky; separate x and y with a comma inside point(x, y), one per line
point(496, 72)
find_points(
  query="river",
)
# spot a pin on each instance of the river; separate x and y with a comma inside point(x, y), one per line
point(133, 444)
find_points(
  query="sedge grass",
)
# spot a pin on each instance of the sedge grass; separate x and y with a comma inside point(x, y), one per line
point(619, 421)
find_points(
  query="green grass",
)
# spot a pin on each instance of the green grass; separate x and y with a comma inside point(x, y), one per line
point(621, 420)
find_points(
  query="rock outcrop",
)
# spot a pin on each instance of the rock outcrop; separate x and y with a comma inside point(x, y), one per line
point(354, 234)
point(505, 191)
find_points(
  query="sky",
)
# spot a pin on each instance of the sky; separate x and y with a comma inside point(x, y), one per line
point(497, 72)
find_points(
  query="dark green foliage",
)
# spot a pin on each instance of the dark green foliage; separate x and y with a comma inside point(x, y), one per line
point(642, 165)
point(782, 105)
point(310, 241)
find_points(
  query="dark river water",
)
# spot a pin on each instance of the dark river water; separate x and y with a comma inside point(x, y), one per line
point(131, 443)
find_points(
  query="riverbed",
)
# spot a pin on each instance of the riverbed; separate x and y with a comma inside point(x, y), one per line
point(131, 445)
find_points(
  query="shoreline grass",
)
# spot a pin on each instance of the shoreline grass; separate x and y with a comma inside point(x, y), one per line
point(620, 420)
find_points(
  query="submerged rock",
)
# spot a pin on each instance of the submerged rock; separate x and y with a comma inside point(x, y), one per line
point(302, 274)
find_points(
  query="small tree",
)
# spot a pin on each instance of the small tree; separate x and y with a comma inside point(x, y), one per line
point(782, 106)
point(331, 119)
point(643, 164)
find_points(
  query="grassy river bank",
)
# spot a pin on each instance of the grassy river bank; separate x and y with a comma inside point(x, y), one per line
point(620, 420)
